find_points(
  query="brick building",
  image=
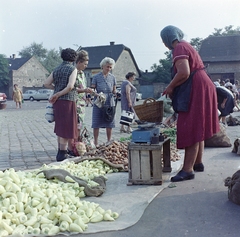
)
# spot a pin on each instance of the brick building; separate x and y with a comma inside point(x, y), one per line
point(26, 72)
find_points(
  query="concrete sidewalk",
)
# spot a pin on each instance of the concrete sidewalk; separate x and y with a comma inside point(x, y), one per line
point(195, 208)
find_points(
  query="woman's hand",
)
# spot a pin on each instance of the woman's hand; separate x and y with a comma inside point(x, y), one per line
point(223, 105)
point(168, 91)
point(53, 98)
point(88, 90)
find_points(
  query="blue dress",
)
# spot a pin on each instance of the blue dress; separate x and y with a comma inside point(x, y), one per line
point(104, 85)
point(124, 101)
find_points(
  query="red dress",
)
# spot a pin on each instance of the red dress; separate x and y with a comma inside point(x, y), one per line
point(201, 121)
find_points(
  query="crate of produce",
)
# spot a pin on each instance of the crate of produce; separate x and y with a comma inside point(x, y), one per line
point(145, 162)
point(150, 111)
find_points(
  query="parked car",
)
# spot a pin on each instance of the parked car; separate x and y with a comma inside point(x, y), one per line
point(3, 99)
point(41, 94)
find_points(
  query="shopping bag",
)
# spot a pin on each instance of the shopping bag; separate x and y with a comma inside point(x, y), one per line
point(49, 115)
point(126, 117)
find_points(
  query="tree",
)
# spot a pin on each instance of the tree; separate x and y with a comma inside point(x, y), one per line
point(163, 70)
point(52, 60)
point(196, 43)
point(49, 58)
point(4, 71)
point(34, 49)
point(228, 30)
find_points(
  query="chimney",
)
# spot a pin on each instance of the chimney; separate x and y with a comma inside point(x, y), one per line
point(146, 71)
point(14, 56)
point(112, 43)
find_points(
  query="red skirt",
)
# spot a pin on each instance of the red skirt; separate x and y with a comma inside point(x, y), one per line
point(65, 116)
point(201, 121)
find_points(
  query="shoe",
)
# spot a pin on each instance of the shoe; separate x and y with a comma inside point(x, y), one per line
point(122, 130)
point(71, 153)
point(198, 167)
point(62, 155)
point(182, 175)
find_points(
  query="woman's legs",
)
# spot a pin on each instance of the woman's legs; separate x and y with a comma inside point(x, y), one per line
point(95, 135)
point(62, 148)
point(193, 154)
point(200, 153)
point(109, 134)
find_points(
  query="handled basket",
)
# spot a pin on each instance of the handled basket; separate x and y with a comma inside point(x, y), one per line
point(150, 111)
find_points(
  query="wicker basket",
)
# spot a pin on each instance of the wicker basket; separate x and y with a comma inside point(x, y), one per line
point(150, 111)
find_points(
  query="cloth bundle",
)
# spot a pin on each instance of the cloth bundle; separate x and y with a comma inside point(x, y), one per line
point(100, 100)
point(233, 184)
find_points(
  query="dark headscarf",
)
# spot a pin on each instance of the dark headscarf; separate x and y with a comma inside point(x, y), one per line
point(169, 34)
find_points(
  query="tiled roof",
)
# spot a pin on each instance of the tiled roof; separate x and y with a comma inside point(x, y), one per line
point(220, 48)
point(16, 63)
point(97, 53)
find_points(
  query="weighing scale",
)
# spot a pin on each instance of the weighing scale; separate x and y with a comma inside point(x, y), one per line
point(146, 133)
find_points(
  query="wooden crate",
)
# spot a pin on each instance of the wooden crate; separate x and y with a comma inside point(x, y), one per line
point(145, 162)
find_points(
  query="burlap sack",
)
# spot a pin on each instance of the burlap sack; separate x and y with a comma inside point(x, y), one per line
point(220, 139)
point(233, 184)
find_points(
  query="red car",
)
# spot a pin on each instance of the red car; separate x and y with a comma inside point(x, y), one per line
point(3, 99)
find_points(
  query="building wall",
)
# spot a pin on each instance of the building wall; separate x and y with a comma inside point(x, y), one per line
point(222, 70)
point(31, 74)
point(124, 64)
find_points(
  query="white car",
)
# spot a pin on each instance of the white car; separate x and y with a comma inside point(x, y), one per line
point(41, 94)
point(29, 95)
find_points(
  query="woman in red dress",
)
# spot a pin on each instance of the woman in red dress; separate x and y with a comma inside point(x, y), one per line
point(201, 121)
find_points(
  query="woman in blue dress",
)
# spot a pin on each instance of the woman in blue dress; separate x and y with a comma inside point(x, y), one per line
point(104, 82)
point(128, 97)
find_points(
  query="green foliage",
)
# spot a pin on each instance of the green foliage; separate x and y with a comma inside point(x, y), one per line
point(163, 70)
point(196, 43)
point(125, 139)
point(49, 58)
point(34, 49)
point(228, 30)
point(171, 133)
point(52, 60)
point(4, 72)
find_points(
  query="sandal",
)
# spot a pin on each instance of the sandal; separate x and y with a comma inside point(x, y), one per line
point(182, 175)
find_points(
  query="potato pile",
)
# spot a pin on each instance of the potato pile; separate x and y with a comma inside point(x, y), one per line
point(115, 152)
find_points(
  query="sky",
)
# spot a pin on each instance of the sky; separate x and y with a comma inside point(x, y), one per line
point(133, 23)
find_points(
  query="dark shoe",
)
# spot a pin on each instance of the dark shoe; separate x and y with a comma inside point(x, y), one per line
point(71, 153)
point(62, 155)
point(182, 175)
point(198, 167)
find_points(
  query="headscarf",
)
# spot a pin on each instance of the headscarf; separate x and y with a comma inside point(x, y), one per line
point(169, 34)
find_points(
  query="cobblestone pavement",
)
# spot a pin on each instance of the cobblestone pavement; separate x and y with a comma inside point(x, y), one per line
point(27, 140)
